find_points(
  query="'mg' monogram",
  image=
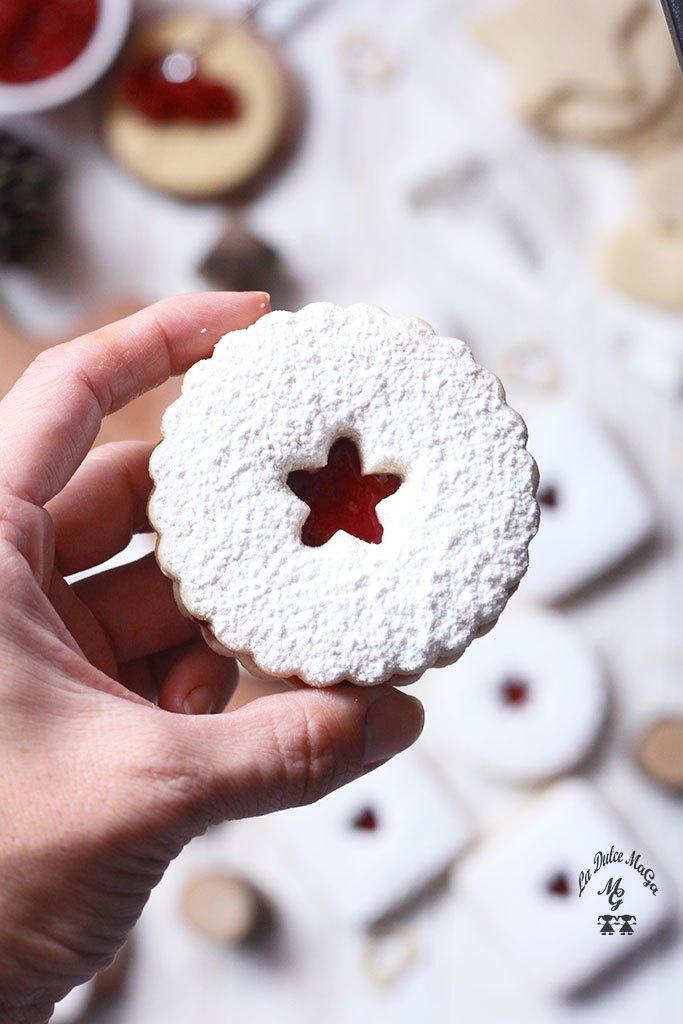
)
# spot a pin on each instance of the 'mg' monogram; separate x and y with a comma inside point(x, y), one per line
point(614, 893)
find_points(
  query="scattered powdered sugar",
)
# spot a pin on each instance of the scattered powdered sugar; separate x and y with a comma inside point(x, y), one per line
point(273, 398)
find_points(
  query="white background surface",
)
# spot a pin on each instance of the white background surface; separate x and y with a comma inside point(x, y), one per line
point(341, 216)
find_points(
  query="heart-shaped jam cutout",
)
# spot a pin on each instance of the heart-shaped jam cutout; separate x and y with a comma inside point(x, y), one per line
point(365, 820)
point(514, 691)
point(170, 87)
point(558, 885)
point(548, 497)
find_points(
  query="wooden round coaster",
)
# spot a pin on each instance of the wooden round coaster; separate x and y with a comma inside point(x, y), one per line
point(225, 908)
point(201, 107)
point(660, 752)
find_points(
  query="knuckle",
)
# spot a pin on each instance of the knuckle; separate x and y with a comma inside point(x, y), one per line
point(27, 528)
point(16, 578)
point(171, 776)
point(313, 756)
point(48, 359)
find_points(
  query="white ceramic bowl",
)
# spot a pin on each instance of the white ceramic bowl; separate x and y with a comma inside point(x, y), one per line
point(26, 97)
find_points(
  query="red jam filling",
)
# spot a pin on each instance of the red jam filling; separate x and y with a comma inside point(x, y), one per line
point(558, 885)
point(39, 38)
point(366, 820)
point(341, 497)
point(170, 87)
point(548, 497)
point(514, 692)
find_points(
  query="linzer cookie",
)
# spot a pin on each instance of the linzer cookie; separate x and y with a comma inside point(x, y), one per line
point(527, 703)
point(342, 495)
point(541, 887)
point(372, 846)
point(200, 107)
point(595, 511)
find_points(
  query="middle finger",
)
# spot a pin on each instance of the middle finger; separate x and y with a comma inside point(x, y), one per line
point(135, 606)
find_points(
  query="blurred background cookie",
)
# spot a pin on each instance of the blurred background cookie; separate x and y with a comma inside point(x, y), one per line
point(645, 261)
point(200, 106)
point(554, 49)
point(589, 72)
point(654, 82)
point(659, 183)
point(528, 703)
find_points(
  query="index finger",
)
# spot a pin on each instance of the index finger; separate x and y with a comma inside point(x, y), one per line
point(51, 417)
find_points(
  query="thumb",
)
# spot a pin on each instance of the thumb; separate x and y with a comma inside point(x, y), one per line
point(292, 748)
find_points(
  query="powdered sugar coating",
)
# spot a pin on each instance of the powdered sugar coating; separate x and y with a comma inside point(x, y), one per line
point(273, 398)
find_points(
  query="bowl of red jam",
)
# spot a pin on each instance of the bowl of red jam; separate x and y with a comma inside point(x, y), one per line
point(53, 50)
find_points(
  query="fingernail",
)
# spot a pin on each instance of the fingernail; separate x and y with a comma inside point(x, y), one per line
point(199, 701)
point(265, 301)
point(393, 721)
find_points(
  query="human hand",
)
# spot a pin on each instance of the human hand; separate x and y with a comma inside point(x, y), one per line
point(110, 758)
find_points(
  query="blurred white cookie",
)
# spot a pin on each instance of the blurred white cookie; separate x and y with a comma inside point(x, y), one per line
point(526, 703)
point(372, 845)
point(594, 509)
point(525, 884)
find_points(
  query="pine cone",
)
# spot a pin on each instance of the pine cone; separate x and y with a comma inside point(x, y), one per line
point(27, 198)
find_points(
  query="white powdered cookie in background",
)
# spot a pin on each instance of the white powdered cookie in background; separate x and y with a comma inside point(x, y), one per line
point(235, 495)
point(372, 845)
point(594, 509)
point(525, 703)
point(525, 884)
point(645, 261)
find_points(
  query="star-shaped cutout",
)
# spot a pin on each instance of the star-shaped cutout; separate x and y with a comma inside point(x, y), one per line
point(556, 47)
point(341, 497)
